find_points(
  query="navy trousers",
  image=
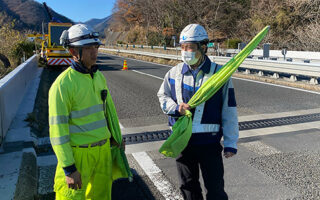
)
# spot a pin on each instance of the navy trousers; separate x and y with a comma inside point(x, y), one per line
point(208, 158)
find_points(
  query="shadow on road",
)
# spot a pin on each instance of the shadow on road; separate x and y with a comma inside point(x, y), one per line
point(122, 189)
point(104, 67)
point(104, 58)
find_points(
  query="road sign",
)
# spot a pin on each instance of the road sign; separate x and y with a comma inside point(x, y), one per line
point(284, 52)
point(211, 44)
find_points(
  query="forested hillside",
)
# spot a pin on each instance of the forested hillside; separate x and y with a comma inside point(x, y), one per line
point(294, 23)
point(27, 14)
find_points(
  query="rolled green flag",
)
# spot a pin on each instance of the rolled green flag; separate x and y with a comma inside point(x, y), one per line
point(120, 165)
point(182, 129)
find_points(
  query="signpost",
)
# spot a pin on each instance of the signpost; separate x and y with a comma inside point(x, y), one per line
point(284, 52)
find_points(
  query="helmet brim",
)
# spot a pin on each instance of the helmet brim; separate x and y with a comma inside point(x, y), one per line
point(86, 42)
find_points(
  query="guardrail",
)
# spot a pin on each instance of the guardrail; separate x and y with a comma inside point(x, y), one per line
point(304, 56)
point(143, 53)
point(293, 69)
point(145, 46)
point(291, 56)
point(12, 90)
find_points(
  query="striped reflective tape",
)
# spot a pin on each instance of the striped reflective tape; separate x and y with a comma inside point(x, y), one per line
point(205, 128)
point(87, 127)
point(86, 111)
point(60, 119)
point(59, 61)
point(60, 140)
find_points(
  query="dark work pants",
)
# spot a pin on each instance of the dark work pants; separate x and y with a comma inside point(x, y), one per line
point(209, 158)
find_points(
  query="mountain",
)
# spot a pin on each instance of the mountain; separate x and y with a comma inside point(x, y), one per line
point(94, 22)
point(28, 14)
point(100, 25)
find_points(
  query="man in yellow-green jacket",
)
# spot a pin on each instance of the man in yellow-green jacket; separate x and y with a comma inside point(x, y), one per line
point(81, 128)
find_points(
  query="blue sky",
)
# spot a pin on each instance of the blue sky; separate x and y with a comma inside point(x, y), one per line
point(81, 10)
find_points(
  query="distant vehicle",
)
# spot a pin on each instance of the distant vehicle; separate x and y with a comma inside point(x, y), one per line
point(52, 53)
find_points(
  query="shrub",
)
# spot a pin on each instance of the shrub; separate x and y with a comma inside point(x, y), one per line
point(233, 43)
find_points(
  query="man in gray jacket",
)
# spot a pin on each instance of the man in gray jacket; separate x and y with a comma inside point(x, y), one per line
point(212, 119)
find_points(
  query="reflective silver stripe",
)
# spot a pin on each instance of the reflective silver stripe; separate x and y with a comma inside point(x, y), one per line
point(60, 140)
point(87, 127)
point(61, 119)
point(198, 114)
point(199, 109)
point(205, 128)
point(178, 82)
point(86, 111)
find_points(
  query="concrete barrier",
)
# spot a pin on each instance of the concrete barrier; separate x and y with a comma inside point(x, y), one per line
point(12, 90)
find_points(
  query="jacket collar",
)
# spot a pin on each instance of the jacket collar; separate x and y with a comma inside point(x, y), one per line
point(205, 67)
point(82, 69)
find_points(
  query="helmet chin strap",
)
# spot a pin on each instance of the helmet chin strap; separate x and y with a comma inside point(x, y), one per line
point(80, 56)
point(200, 48)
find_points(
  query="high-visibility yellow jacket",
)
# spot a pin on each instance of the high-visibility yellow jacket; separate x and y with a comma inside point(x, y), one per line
point(76, 114)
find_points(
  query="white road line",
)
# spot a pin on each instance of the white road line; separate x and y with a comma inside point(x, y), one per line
point(298, 89)
point(149, 62)
point(282, 86)
point(139, 60)
point(309, 91)
point(260, 148)
point(156, 176)
point(148, 74)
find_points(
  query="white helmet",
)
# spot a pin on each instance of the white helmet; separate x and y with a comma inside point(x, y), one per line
point(193, 33)
point(79, 35)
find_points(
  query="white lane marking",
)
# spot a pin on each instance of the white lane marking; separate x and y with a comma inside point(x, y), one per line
point(150, 62)
point(282, 86)
point(148, 74)
point(156, 176)
point(260, 148)
point(139, 60)
point(309, 91)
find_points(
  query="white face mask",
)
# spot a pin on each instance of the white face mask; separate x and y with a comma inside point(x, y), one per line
point(189, 57)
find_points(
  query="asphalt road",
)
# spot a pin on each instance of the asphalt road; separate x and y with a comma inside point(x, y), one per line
point(281, 162)
point(135, 94)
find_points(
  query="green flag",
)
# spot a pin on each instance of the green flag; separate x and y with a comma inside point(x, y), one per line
point(182, 129)
point(120, 165)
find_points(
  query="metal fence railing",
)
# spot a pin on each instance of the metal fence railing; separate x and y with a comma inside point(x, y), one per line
point(311, 70)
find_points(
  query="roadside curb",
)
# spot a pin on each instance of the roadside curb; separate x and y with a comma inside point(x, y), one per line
point(18, 169)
